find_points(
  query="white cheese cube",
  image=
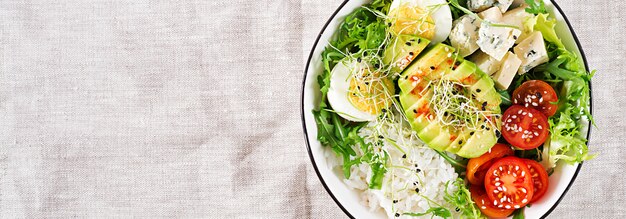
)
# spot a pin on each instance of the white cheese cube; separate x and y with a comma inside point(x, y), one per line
point(464, 35)
point(479, 5)
point(485, 62)
point(492, 14)
point(532, 52)
point(518, 17)
point(503, 5)
point(496, 41)
point(504, 76)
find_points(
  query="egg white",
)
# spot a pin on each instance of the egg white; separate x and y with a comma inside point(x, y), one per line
point(338, 92)
point(442, 16)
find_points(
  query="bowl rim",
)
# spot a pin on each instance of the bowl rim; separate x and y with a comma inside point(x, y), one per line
point(306, 136)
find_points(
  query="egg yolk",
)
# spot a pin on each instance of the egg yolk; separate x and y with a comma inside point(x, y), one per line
point(370, 93)
point(414, 20)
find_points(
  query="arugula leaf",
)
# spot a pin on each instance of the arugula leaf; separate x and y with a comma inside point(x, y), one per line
point(518, 214)
point(435, 211)
point(506, 98)
point(536, 7)
point(459, 165)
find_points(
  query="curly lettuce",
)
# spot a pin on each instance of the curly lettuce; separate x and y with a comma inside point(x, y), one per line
point(568, 74)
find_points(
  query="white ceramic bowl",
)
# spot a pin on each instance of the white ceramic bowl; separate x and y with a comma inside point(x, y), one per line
point(346, 198)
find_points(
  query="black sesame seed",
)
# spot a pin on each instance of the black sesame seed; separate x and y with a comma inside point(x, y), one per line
point(417, 190)
point(471, 133)
point(367, 83)
point(389, 24)
point(482, 127)
point(397, 215)
point(358, 87)
point(395, 201)
point(406, 77)
point(445, 114)
point(514, 37)
point(538, 94)
point(380, 136)
point(487, 128)
point(384, 110)
point(478, 90)
point(498, 134)
point(418, 170)
point(432, 67)
point(460, 141)
point(408, 43)
point(404, 156)
point(376, 65)
point(419, 40)
point(411, 53)
point(457, 209)
point(358, 59)
point(415, 183)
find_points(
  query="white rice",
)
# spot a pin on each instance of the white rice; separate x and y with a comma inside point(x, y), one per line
point(399, 183)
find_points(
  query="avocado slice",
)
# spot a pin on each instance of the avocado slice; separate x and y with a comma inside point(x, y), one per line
point(402, 51)
point(478, 144)
point(430, 64)
point(440, 63)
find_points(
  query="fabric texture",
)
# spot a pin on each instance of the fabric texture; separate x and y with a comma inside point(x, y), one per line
point(191, 109)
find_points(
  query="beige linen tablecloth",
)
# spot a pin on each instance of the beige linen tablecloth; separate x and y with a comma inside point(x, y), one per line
point(191, 109)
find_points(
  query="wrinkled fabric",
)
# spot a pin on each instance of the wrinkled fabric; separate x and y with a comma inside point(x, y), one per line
point(191, 109)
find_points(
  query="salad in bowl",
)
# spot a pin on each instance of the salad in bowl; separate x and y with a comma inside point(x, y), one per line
point(447, 108)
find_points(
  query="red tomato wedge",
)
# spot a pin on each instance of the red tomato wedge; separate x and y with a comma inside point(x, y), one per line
point(538, 95)
point(479, 196)
point(540, 179)
point(525, 128)
point(477, 167)
point(509, 184)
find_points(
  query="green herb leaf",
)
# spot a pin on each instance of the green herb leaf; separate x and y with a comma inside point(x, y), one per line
point(435, 211)
point(536, 7)
point(518, 214)
point(462, 199)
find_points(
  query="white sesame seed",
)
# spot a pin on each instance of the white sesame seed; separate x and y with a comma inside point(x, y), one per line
point(482, 201)
point(516, 206)
point(519, 112)
point(523, 173)
point(497, 184)
point(496, 202)
point(533, 96)
point(526, 105)
point(496, 191)
point(499, 206)
point(503, 199)
point(500, 168)
point(415, 78)
point(497, 178)
point(523, 190)
point(530, 115)
point(514, 117)
point(509, 120)
point(536, 134)
point(524, 113)
point(503, 189)
point(483, 207)
point(541, 100)
point(535, 104)
point(516, 168)
point(508, 207)
point(524, 201)
point(539, 126)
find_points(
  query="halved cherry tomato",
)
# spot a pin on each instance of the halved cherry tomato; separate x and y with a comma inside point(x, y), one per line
point(538, 95)
point(486, 205)
point(525, 128)
point(477, 167)
point(540, 179)
point(509, 184)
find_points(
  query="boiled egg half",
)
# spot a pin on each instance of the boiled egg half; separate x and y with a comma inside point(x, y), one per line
point(359, 92)
point(431, 19)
